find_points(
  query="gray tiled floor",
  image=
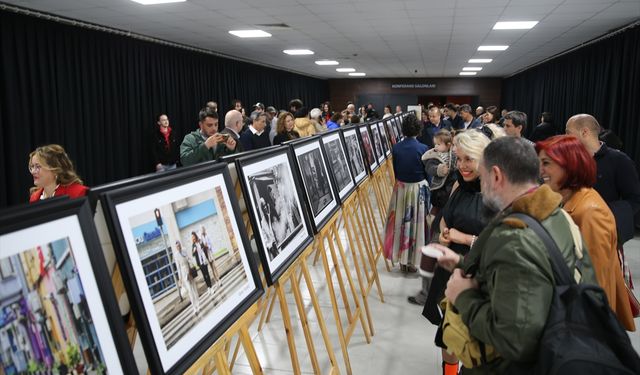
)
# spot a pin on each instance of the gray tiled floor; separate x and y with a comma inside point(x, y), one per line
point(403, 340)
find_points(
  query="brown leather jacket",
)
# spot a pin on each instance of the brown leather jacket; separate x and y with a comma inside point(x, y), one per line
point(598, 228)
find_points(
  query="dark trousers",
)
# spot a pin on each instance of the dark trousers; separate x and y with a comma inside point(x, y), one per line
point(205, 273)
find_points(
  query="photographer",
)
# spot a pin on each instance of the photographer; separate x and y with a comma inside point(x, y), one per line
point(200, 145)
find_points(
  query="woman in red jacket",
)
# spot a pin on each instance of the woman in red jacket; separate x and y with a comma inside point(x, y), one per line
point(53, 174)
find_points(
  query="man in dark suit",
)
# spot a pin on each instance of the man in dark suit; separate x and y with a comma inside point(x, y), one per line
point(469, 122)
point(544, 129)
point(617, 179)
point(256, 137)
point(435, 124)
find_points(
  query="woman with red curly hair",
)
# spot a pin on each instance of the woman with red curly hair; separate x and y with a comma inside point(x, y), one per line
point(568, 168)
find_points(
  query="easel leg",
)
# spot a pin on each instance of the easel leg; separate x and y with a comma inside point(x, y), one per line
point(250, 351)
point(334, 305)
point(288, 328)
point(318, 311)
point(221, 363)
point(305, 324)
point(367, 332)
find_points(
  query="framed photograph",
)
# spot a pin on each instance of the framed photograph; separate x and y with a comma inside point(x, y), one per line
point(384, 138)
point(319, 188)
point(398, 126)
point(59, 312)
point(391, 132)
point(272, 196)
point(186, 261)
point(354, 155)
point(334, 148)
point(367, 147)
point(377, 142)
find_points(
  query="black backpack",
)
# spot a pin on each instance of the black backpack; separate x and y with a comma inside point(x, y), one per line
point(582, 335)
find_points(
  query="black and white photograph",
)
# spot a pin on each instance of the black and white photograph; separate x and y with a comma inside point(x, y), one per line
point(391, 131)
point(384, 139)
point(370, 156)
point(59, 313)
point(187, 260)
point(318, 186)
point(338, 164)
point(354, 155)
point(275, 209)
point(377, 142)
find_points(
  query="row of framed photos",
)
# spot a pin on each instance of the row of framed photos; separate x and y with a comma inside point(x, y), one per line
point(182, 249)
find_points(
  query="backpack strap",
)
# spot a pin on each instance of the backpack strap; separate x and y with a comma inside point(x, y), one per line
point(561, 272)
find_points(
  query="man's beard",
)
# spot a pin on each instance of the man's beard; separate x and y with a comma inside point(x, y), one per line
point(492, 203)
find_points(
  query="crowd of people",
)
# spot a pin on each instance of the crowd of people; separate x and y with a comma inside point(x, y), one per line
point(460, 176)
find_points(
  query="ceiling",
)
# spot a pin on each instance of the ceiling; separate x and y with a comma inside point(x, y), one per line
point(383, 38)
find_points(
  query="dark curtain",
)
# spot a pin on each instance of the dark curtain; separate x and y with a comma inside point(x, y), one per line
point(98, 94)
point(602, 79)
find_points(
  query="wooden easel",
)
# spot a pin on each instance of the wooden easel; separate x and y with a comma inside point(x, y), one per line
point(215, 358)
point(366, 212)
point(291, 274)
point(330, 233)
point(359, 238)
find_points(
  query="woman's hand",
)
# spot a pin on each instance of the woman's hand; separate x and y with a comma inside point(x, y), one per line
point(444, 238)
point(458, 237)
point(449, 259)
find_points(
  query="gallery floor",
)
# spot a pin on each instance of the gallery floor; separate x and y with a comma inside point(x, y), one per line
point(402, 342)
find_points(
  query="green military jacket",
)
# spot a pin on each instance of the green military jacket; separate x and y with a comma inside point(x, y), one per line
point(193, 150)
point(510, 308)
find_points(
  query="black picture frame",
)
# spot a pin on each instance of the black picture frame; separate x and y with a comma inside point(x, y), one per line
point(359, 169)
point(269, 180)
point(53, 244)
point(384, 138)
point(337, 160)
point(320, 194)
point(374, 131)
point(370, 157)
point(175, 331)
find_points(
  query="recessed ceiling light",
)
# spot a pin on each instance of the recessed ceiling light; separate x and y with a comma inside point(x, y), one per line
point(327, 62)
point(296, 52)
point(472, 69)
point(358, 74)
point(154, 2)
point(468, 73)
point(250, 33)
point(479, 61)
point(492, 48)
point(519, 25)
point(345, 70)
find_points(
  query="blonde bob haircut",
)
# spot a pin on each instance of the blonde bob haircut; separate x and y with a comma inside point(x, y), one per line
point(473, 141)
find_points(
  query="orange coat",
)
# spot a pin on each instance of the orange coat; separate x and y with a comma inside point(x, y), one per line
point(598, 228)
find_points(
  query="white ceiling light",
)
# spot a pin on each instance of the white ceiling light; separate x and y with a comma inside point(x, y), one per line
point(479, 61)
point(358, 74)
point(250, 33)
point(492, 48)
point(519, 25)
point(296, 52)
point(471, 69)
point(468, 73)
point(327, 62)
point(154, 2)
point(345, 70)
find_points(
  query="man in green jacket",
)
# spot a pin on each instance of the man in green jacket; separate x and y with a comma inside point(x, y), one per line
point(503, 287)
point(200, 145)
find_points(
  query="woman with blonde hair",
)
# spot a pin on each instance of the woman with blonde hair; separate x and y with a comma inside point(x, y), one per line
point(464, 216)
point(53, 174)
point(285, 129)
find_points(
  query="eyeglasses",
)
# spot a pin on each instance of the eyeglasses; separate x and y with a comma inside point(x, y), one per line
point(35, 168)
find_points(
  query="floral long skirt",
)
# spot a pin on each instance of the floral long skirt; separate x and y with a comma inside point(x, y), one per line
point(407, 230)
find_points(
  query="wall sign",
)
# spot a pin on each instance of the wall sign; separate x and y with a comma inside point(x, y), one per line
point(413, 85)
